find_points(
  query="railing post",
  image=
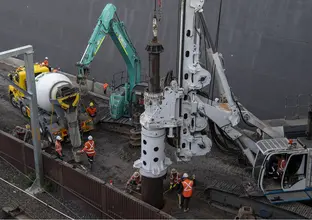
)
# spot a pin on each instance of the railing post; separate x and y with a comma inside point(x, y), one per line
point(92, 87)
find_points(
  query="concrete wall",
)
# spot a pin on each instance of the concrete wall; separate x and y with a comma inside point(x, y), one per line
point(266, 43)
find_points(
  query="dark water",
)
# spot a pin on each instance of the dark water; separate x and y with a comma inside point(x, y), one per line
point(266, 44)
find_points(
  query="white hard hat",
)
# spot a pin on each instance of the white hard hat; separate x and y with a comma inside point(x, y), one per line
point(173, 170)
point(46, 58)
point(136, 174)
point(58, 138)
point(185, 175)
point(90, 138)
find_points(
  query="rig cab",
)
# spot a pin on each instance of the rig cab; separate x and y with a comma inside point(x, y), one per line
point(293, 182)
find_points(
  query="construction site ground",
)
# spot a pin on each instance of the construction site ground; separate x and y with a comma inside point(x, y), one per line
point(114, 161)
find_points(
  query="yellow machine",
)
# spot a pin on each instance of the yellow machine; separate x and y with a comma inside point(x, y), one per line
point(19, 78)
point(53, 108)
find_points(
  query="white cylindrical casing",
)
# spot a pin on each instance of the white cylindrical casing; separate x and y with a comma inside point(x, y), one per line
point(153, 162)
point(47, 85)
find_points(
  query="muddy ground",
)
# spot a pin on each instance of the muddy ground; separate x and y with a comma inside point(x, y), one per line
point(114, 161)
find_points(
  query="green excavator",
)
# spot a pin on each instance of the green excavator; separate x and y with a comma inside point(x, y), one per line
point(126, 99)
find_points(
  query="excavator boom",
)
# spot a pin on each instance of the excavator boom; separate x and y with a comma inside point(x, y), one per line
point(109, 24)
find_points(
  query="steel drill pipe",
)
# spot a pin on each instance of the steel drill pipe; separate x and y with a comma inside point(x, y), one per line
point(152, 188)
point(152, 191)
point(154, 49)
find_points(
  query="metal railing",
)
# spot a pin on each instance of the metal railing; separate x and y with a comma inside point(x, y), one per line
point(299, 105)
point(120, 78)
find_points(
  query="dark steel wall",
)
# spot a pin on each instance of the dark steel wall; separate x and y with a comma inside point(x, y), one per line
point(96, 196)
point(266, 44)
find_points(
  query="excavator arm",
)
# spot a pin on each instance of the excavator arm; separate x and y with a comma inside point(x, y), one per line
point(99, 33)
point(109, 24)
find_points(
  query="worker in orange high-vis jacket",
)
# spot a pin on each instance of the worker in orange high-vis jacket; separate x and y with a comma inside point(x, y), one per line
point(186, 190)
point(105, 86)
point(58, 148)
point(46, 61)
point(89, 150)
point(91, 110)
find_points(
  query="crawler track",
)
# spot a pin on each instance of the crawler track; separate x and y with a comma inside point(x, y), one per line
point(231, 194)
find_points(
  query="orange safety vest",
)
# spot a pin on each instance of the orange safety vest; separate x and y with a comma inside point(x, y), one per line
point(89, 148)
point(187, 188)
point(58, 147)
point(105, 85)
point(91, 111)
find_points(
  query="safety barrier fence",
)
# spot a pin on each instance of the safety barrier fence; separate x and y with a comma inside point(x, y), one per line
point(96, 196)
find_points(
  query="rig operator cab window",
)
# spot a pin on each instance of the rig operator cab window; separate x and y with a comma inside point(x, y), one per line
point(281, 168)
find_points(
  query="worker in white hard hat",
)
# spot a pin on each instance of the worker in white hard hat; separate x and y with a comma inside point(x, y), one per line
point(58, 147)
point(174, 178)
point(46, 61)
point(89, 150)
point(175, 183)
point(135, 180)
point(186, 190)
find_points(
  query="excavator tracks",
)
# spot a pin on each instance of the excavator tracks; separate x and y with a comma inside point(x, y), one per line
point(123, 126)
point(231, 194)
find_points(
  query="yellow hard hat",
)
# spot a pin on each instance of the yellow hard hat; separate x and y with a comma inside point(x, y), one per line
point(27, 126)
point(91, 104)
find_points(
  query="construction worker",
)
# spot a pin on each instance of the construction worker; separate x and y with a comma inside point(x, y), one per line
point(281, 164)
point(58, 148)
point(272, 166)
point(105, 86)
point(46, 61)
point(175, 183)
point(174, 178)
point(135, 180)
point(89, 150)
point(186, 191)
point(91, 110)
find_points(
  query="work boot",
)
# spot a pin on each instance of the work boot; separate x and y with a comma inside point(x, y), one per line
point(90, 166)
point(180, 207)
point(186, 210)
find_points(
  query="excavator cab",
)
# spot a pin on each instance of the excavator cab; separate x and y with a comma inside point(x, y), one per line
point(288, 182)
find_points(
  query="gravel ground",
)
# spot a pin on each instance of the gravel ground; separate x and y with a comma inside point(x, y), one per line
point(114, 161)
